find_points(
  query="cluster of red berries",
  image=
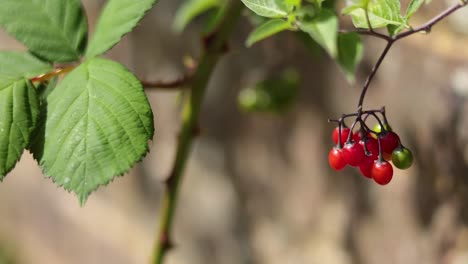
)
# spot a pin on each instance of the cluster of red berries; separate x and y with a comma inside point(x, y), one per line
point(370, 150)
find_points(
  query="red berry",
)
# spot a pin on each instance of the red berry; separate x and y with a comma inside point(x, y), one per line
point(357, 136)
point(372, 146)
point(366, 167)
point(353, 154)
point(382, 172)
point(335, 158)
point(344, 134)
point(387, 156)
point(389, 141)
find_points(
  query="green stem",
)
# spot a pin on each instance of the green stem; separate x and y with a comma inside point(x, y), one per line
point(214, 48)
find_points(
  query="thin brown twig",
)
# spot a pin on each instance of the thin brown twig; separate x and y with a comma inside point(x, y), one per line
point(55, 72)
point(366, 32)
point(181, 82)
point(426, 27)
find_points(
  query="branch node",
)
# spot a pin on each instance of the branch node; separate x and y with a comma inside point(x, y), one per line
point(166, 242)
point(208, 41)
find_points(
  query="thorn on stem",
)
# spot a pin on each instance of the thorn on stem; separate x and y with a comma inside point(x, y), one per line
point(170, 181)
point(197, 131)
point(208, 42)
point(166, 242)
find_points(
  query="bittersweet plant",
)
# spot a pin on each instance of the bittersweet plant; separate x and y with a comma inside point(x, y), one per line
point(86, 119)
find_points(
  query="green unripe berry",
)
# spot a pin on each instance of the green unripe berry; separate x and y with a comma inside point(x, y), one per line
point(378, 129)
point(402, 158)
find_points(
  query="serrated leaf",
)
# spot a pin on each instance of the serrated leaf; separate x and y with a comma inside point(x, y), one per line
point(117, 19)
point(350, 51)
point(22, 64)
point(323, 28)
point(97, 126)
point(267, 29)
point(381, 13)
point(268, 8)
point(55, 30)
point(191, 9)
point(19, 110)
point(413, 7)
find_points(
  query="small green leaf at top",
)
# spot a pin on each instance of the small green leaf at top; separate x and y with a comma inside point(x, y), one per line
point(95, 125)
point(353, 5)
point(268, 8)
point(292, 4)
point(267, 29)
point(117, 19)
point(350, 51)
point(394, 30)
point(19, 108)
point(272, 95)
point(381, 13)
point(413, 7)
point(323, 28)
point(191, 9)
point(22, 64)
point(55, 30)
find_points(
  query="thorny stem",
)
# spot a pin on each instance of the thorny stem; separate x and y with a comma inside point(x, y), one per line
point(213, 51)
point(426, 27)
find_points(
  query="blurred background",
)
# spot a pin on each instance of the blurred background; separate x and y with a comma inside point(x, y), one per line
point(258, 188)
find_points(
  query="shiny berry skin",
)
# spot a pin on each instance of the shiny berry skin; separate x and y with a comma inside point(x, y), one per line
point(372, 146)
point(335, 159)
point(382, 172)
point(387, 156)
point(389, 142)
point(344, 134)
point(366, 166)
point(378, 128)
point(353, 153)
point(402, 158)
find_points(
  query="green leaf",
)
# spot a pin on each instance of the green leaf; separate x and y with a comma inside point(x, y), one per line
point(394, 30)
point(213, 18)
point(353, 5)
point(267, 29)
point(45, 88)
point(55, 30)
point(19, 111)
point(413, 7)
point(350, 51)
point(117, 19)
point(323, 28)
point(381, 13)
point(95, 125)
point(268, 8)
point(292, 4)
point(22, 64)
point(191, 9)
